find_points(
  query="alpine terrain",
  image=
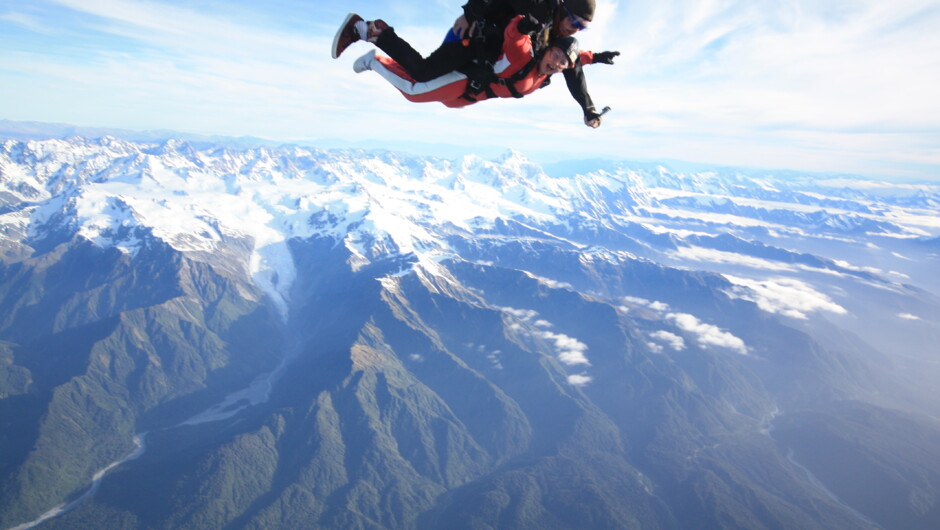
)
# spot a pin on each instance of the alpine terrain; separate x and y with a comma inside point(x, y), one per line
point(198, 335)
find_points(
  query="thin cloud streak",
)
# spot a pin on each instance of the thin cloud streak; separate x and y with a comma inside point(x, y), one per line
point(744, 69)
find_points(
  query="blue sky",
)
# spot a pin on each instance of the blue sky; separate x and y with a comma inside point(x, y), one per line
point(819, 85)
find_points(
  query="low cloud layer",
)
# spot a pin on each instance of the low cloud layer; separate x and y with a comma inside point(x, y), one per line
point(784, 296)
point(579, 379)
point(569, 350)
point(672, 340)
point(707, 334)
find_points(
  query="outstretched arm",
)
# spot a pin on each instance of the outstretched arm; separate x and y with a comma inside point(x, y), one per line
point(541, 10)
point(577, 84)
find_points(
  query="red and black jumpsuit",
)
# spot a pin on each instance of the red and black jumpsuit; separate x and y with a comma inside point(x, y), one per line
point(450, 88)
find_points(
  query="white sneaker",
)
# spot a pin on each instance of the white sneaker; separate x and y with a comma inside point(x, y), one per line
point(364, 63)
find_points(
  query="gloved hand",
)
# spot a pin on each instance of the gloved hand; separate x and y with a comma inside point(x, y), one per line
point(529, 24)
point(592, 119)
point(605, 57)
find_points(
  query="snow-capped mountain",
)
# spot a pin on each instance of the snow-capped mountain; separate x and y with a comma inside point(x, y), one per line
point(267, 331)
point(112, 193)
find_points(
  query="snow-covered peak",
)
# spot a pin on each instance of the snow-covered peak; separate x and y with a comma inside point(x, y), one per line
point(111, 192)
point(201, 199)
point(512, 169)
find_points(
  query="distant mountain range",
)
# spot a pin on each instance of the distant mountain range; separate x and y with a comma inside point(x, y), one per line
point(206, 334)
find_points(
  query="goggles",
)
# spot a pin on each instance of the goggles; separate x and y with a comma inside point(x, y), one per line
point(577, 22)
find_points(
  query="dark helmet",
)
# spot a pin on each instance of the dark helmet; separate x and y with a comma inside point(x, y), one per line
point(569, 45)
point(581, 8)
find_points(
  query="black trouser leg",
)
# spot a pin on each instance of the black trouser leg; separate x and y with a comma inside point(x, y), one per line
point(447, 58)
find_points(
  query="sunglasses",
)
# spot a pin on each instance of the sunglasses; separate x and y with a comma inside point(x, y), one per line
point(576, 22)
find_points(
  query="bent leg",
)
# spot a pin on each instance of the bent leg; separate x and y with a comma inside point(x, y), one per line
point(448, 57)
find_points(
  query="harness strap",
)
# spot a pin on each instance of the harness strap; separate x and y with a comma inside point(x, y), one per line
point(508, 82)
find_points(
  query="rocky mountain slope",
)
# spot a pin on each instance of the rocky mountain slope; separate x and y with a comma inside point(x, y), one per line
point(288, 338)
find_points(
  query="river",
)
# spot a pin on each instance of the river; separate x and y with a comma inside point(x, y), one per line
point(259, 391)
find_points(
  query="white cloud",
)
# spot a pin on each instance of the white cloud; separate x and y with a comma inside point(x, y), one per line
point(571, 351)
point(522, 314)
point(792, 74)
point(908, 316)
point(785, 296)
point(707, 334)
point(494, 358)
point(169, 26)
point(659, 306)
point(636, 300)
point(672, 340)
point(27, 21)
point(655, 306)
point(579, 379)
point(750, 83)
point(548, 282)
point(846, 265)
point(729, 258)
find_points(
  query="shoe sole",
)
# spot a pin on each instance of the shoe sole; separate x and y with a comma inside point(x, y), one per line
point(339, 34)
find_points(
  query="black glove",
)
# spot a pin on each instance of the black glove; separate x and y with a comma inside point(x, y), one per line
point(529, 24)
point(605, 57)
point(592, 119)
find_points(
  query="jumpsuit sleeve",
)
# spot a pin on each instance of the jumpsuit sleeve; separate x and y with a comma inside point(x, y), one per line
point(516, 45)
point(540, 9)
point(476, 9)
point(577, 85)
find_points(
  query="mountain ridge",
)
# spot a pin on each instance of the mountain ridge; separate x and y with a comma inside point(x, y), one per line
point(343, 338)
